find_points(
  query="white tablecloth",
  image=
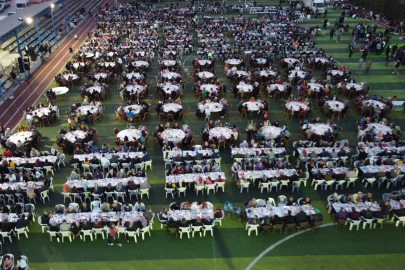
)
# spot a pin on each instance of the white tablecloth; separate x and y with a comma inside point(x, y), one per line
point(315, 86)
point(245, 87)
point(336, 72)
point(335, 105)
point(171, 107)
point(357, 86)
point(295, 106)
point(169, 88)
point(293, 73)
point(377, 127)
point(136, 75)
point(41, 112)
point(204, 62)
point(171, 75)
point(233, 61)
point(192, 177)
point(107, 64)
point(60, 90)
point(135, 89)
point(110, 54)
point(132, 134)
point(209, 87)
point(319, 129)
point(240, 73)
point(105, 182)
point(140, 64)
point(94, 88)
point(261, 60)
point(66, 76)
point(174, 135)
point(92, 217)
point(168, 62)
point(213, 107)
point(136, 109)
point(275, 86)
point(21, 185)
point(374, 103)
point(323, 60)
point(271, 132)
point(84, 109)
point(76, 65)
point(109, 155)
point(101, 75)
point(22, 136)
point(70, 136)
point(290, 60)
point(218, 131)
point(253, 105)
point(205, 74)
point(268, 73)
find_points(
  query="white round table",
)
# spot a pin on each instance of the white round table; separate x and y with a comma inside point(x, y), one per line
point(357, 86)
point(233, 61)
point(245, 87)
point(70, 136)
point(89, 55)
point(83, 109)
point(204, 62)
point(136, 75)
point(240, 73)
point(168, 63)
point(374, 103)
point(136, 109)
point(60, 90)
point(171, 75)
point(171, 107)
point(213, 107)
point(93, 89)
point(169, 88)
point(276, 86)
point(336, 72)
point(322, 60)
point(335, 105)
point(261, 60)
point(209, 87)
point(140, 64)
point(268, 73)
point(377, 127)
point(220, 131)
point(253, 105)
point(301, 74)
point(107, 64)
point(295, 106)
point(41, 112)
point(134, 89)
point(110, 54)
point(205, 74)
point(271, 132)
point(290, 60)
point(73, 76)
point(173, 135)
point(319, 129)
point(132, 134)
point(76, 65)
point(20, 136)
point(315, 86)
point(101, 75)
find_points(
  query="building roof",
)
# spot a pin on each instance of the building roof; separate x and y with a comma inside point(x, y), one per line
point(11, 22)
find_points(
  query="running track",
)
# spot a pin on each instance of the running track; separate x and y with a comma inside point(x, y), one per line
point(32, 89)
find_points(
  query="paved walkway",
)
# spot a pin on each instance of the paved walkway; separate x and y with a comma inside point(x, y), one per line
point(11, 112)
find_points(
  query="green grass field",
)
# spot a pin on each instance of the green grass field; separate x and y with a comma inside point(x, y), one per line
point(230, 248)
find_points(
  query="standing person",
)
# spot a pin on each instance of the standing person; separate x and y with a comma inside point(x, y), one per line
point(15, 77)
point(339, 35)
point(368, 66)
point(113, 235)
point(331, 33)
point(325, 22)
point(396, 66)
point(350, 49)
point(388, 50)
point(326, 13)
point(387, 60)
point(360, 65)
point(316, 13)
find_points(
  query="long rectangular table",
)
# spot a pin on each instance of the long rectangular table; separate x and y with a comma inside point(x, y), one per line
point(257, 151)
point(270, 210)
point(191, 177)
point(178, 215)
point(109, 155)
point(92, 216)
point(268, 173)
point(27, 160)
point(105, 182)
point(173, 153)
point(360, 206)
point(21, 185)
point(376, 169)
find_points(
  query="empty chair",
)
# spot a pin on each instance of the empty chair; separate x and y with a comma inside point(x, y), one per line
point(252, 227)
point(354, 223)
point(185, 230)
point(282, 200)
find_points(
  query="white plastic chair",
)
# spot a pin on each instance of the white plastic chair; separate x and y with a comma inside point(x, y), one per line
point(95, 206)
point(319, 183)
point(304, 179)
point(283, 183)
point(219, 220)
point(220, 185)
point(210, 187)
point(351, 180)
point(133, 234)
point(6, 234)
point(184, 230)
point(264, 186)
point(148, 164)
point(98, 231)
point(207, 228)
point(144, 231)
point(132, 192)
point(244, 185)
point(182, 189)
point(144, 191)
point(367, 221)
point(120, 195)
point(169, 191)
point(354, 223)
point(49, 170)
point(328, 183)
point(87, 233)
point(252, 227)
point(67, 234)
point(282, 200)
point(66, 195)
point(43, 226)
point(296, 186)
point(369, 181)
point(45, 195)
point(195, 229)
point(199, 188)
point(55, 234)
point(400, 220)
